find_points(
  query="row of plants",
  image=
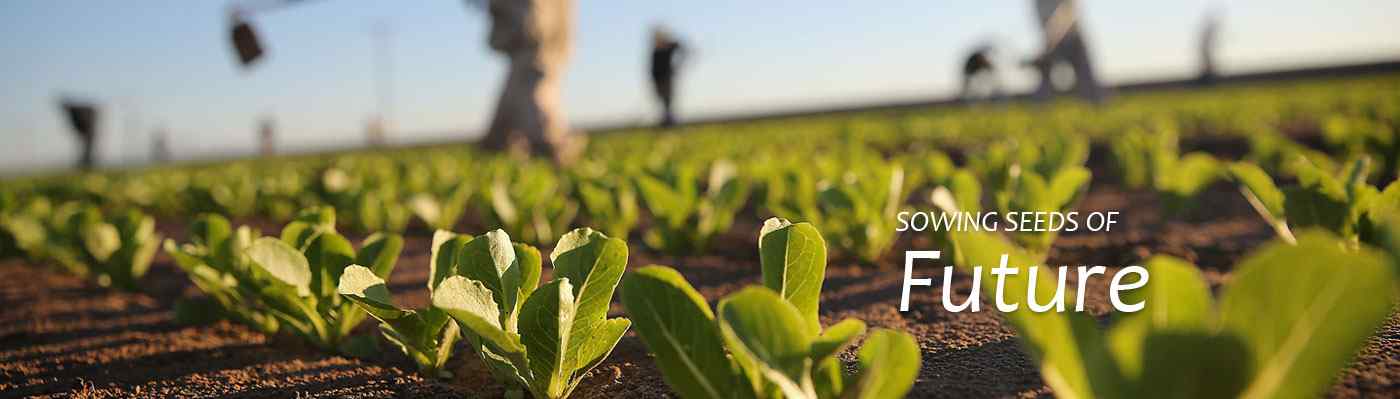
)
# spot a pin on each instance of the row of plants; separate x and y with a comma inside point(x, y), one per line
point(543, 339)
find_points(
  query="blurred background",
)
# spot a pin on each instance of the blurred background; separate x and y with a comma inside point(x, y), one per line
point(167, 81)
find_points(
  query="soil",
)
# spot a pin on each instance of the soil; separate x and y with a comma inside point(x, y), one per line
point(61, 336)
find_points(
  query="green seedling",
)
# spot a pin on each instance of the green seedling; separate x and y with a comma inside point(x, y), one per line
point(542, 339)
point(441, 212)
point(215, 262)
point(425, 335)
point(1344, 204)
point(114, 252)
point(1029, 191)
point(610, 205)
point(1283, 327)
point(531, 203)
point(293, 278)
point(856, 210)
point(1153, 160)
point(765, 341)
point(684, 219)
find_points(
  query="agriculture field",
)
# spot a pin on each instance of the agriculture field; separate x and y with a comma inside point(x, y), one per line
point(140, 282)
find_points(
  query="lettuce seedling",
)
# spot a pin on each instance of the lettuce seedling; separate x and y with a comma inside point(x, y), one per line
point(1285, 324)
point(1154, 160)
point(531, 203)
point(115, 252)
point(856, 211)
point(610, 205)
point(215, 262)
point(684, 219)
point(1344, 204)
point(542, 339)
point(305, 265)
point(764, 341)
point(1029, 191)
point(425, 335)
point(441, 213)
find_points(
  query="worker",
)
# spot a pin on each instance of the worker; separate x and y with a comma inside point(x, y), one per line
point(82, 118)
point(1064, 44)
point(667, 54)
point(979, 75)
point(536, 36)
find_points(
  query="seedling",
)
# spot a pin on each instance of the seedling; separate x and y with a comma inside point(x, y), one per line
point(764, 341)
point(1285, 324)
point(293, 278)
point(441, 213)
point(1153, 160)
point(684, 219)
point(542, 340)
point(531, 203)
point(1343, 204)
point(609, 204)
point(425, 335)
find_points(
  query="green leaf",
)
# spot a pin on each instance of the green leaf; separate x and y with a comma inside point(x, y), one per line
point(380, 252)
point(836, 338)
point(889, 363)
point(793, 257)
point(1191, 364)
point(1175, 299)
point(471, 304)
point(677, 326)
point(598, 345)
point(530, 268)
point(490, 259)
point(594, 264)
point(1304, 310)
point(1065, 187)
point(362, 285)
point(328, 254)
point(443, 260)
point(760, 330)
point(101, 240)
point(282, 262)
point(544, 321)
point(1263, 195)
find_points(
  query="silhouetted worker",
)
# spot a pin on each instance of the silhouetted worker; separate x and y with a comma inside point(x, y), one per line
point(980, 75)
point(537, 37)
point(267, 136)
point(160, 146)
point(666, 57)
point(1210, 32)
point(1064, 43)
point(82, 117)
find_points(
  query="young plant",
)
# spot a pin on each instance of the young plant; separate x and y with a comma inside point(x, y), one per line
point(115, 253)
point(1283, 327)
point(1029, 191)
point(303, 268)
point(441, 212)
point(857, 212)
point(543, 339)
point(609, 204)
point(215, 262)
point(764, 341)
point(531, 203)
point(425, 335)
point(684, 220)
point(1154, 160)
point(1344, 204)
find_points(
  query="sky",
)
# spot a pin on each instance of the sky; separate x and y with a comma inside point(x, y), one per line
point(165, 65)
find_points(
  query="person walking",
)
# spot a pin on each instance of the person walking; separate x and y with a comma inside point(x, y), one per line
point(1064, 43)
point(536, 36)
point(667, 54)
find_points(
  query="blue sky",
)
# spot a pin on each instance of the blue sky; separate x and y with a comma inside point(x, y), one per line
point(166, 64)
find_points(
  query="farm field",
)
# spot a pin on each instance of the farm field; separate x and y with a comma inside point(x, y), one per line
point(82, 316)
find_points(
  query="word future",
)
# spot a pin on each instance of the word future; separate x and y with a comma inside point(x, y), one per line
point(1001, 271)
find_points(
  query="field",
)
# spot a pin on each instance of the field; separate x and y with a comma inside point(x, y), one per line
point(83, 317)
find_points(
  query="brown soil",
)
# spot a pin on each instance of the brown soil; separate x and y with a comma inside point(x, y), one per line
point(63, 337)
